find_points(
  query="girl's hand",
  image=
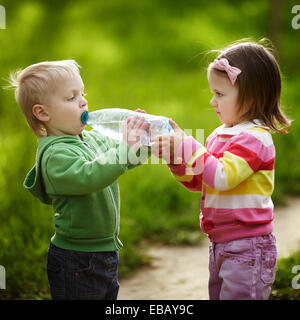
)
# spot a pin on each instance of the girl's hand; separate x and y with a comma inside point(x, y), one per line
point(134, 128)
point(165, 146)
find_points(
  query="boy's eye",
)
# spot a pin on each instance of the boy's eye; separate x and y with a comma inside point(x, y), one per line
point(71, 98)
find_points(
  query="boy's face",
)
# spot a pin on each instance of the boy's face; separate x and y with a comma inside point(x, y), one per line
point(65, 106)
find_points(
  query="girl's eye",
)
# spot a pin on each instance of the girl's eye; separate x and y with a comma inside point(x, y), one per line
point(219, 94)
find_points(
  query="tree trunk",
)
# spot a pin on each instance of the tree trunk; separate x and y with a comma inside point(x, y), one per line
point(275, 22)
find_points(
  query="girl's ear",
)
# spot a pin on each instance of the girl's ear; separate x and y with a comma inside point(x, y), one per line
point(40, 112)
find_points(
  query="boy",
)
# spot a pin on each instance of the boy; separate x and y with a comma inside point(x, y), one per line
point(74, 173)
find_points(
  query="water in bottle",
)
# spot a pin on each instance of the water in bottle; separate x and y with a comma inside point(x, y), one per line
point(109, 122)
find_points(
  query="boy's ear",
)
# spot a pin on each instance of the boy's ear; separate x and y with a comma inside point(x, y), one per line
point(40, 112)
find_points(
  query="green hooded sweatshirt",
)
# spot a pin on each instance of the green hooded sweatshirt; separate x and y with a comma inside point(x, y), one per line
point(79, 179)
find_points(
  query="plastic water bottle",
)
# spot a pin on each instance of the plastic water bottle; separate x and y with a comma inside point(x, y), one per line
point(109, 122)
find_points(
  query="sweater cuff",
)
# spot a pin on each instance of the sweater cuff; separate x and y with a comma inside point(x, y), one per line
point(187, 148)
point(178, 169)
point(185, 151)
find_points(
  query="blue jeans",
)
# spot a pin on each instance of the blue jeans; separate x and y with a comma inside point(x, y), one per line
point(77, 275)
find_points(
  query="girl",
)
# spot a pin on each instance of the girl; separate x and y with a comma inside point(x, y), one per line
point(235, 170)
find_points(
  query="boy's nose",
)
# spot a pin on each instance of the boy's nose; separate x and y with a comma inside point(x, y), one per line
point(83, 102)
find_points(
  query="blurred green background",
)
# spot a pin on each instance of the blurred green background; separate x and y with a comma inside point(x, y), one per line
point(135, 53)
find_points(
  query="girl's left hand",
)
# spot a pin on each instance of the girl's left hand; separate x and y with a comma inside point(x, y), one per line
point(165, 146)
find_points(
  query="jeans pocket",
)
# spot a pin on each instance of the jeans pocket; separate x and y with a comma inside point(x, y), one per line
point(211, 261)
point(85, 283)
point(268, 264)
point(240, 251)
point(81, 262)
point(56, 278)
point(111, 262)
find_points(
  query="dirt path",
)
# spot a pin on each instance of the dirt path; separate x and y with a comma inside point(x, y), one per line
point(182, 272)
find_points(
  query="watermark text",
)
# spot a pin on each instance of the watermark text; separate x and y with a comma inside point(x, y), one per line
point(151, 151)
point(2, 17)
point(296, 18)
point(296, 279)
point(2, 278)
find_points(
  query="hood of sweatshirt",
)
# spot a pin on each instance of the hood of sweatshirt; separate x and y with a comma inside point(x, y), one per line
point(34, 180)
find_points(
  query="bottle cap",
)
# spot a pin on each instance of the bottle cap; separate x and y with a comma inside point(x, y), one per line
point(84, 117)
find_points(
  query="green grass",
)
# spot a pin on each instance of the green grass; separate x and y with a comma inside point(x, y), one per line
point(287, 279)
point(149, 54)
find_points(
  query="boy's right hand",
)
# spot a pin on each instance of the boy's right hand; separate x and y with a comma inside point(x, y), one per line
point(134, 128)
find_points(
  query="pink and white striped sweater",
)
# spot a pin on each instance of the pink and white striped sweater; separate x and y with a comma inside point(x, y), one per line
point(235, 173)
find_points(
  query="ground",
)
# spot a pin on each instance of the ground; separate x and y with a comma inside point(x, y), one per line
point(181, 272)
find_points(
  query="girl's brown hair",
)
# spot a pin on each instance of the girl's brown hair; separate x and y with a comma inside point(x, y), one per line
point(259, 83)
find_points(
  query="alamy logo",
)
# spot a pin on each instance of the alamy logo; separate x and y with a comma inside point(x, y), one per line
point(295, 280)
point(296, 19)
point(2, 278)
point(2, 18)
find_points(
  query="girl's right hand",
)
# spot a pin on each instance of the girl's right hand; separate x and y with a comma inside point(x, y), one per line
point(165, 146)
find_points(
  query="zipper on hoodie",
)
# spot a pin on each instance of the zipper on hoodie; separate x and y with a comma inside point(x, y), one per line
point(109, 190)
point(116, 211)
point(91, 148)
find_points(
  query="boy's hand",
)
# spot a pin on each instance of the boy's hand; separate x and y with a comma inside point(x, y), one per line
point(140, 110)
point(165, 146)
point(134, 128)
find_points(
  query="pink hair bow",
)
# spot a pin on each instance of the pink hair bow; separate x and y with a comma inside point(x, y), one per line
point(223, 64)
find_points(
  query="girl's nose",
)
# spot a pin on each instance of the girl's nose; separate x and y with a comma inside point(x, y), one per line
point(213, 102)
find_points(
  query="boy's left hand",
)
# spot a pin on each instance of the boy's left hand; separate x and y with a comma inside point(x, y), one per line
point(140, 110)
point(134, 128)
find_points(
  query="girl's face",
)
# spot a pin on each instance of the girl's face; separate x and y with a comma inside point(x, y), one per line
point(225, 98)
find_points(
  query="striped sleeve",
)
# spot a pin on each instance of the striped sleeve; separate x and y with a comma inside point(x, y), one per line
point(189, 173)
point(246, 153)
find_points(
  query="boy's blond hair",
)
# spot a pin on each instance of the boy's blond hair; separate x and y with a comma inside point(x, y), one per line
point(35, 83)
